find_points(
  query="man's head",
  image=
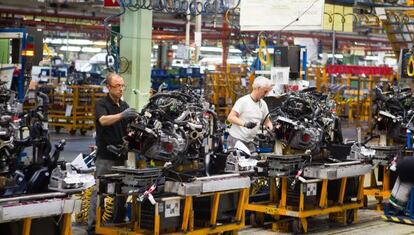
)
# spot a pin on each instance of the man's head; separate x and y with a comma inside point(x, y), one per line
point(115, 84)
point(261, 87)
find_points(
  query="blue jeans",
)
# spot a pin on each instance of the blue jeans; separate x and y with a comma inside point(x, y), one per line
point(103, 166)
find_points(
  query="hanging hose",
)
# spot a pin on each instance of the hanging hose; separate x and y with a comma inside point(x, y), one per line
point(108, 208)
point(410, 66)
point(82, 216)
point(48, 51)
point(262, 44)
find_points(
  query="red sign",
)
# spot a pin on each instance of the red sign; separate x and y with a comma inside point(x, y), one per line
point(355, 69)
point(111, 3)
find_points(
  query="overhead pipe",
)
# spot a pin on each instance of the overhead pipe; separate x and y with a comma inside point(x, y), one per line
point(32, 12)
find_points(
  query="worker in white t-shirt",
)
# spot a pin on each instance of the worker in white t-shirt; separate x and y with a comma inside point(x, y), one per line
point(248, 113)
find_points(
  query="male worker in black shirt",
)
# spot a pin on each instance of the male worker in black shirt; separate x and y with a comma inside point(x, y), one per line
point(112, 116)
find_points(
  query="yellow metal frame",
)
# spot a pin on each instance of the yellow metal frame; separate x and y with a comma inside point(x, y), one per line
point(359, 104)
point(83, 112)
point(187, 223)
point(380, 192)
point(66, 228)
point(302, 213)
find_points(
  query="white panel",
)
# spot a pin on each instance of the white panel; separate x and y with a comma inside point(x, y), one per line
point(39, 209)
point(259, 15)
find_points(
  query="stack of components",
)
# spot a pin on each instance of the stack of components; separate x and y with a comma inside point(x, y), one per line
point(133, 179)
point(282, 165)
point(393, 112)
point(306, 121)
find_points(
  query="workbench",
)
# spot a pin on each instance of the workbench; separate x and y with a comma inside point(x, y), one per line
point(310, 198)
point(180, 208)
point(29, 207)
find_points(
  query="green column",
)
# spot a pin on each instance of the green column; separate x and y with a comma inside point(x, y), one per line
point(4, 51)
point(136, 47)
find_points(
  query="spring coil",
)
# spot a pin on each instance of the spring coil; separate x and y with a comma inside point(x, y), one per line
point(108, 208)
point(82, 216)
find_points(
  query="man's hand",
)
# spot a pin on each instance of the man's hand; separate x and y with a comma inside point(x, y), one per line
point(129, 113)
point(250, 125)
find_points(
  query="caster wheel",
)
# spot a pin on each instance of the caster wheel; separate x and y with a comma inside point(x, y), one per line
point(72, 132)
point(57, 129)
point(297, 227)
point(365, 201)
point(350, 216)
point(83, 132)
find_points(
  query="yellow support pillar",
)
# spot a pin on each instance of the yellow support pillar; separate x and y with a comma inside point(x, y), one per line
point(342, 191)
point(324, 194)
point(27, 224)
point(282, 203)
point(186, 214)
point(156, 221)
point(386, 180)
point(67, 224)
point(214, 209)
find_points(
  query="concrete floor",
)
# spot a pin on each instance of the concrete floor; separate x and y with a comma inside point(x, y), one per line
point(74, 144)
point(369, 220)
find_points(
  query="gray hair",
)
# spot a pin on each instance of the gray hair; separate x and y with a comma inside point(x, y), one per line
point(261, 82)
point(110, 76)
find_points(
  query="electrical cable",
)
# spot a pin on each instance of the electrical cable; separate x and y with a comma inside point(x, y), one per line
point(262, 45)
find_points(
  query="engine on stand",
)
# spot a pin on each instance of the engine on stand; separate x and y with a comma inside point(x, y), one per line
point(304, 129)
point(18, 131)
point(307, 168)
point(389, 139)
point(178, 127)
point(169, 148)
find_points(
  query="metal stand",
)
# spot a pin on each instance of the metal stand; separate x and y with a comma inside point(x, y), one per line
point(380, 192)
point(187, 219)
point(338, 210)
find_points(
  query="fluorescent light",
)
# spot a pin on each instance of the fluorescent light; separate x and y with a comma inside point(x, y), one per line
point(53, 40)
point(339, 56)
point(370, 57)
point(80, 42)
point(91, 49)
point(99, 43)
point(69, 48)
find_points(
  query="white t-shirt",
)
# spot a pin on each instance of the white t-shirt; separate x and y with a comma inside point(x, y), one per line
point(249, 111)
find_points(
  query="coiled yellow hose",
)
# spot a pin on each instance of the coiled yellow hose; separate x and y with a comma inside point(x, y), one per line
point(108, 208)
point(82, 216)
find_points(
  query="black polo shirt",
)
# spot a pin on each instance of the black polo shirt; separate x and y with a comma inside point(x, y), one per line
point(109, 135)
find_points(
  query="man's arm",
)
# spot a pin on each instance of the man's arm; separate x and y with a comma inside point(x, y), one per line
point(103, 117)
point(234, 118)
point(108, 120)
point(268, 123)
